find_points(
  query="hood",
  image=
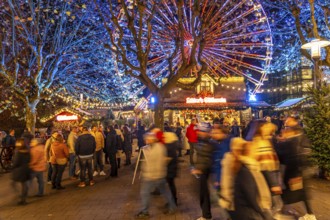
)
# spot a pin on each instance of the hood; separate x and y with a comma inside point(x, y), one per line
point(169, 137)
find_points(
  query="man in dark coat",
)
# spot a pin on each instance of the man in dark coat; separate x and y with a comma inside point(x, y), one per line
point(139, 133)
point(85, 148)
point(111, 149)
point(203, 167)
point(10, 139)
point(171, 143)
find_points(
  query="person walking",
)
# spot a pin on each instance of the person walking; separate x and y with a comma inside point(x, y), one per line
point(252, 198)
point(21, 172)
point(203, 167)
point(171, 143)
point(98, 154)
point(85, 148)
point(127, 145)
point(191, 134)
point(292, 152)
point(59, 159)
point(111, 149)
point(38, 163)
point(72, 138)
point(154, 172)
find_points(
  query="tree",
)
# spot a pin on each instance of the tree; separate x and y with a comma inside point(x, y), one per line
point(131, 25)
point(317, 121)
point(41, 41)
point(296, 22)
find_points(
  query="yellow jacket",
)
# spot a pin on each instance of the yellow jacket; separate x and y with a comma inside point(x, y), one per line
point(99, 139)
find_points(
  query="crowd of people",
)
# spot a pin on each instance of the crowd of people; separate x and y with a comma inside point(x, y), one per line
point(89, 148)
point(254, 172)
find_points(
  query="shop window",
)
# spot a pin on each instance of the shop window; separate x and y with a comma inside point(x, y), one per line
point(306, 74)
point(206, 86)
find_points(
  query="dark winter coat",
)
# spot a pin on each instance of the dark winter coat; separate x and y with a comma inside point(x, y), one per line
point(171, 143)
point(85, 145)
point(204, 155)
point(111, 142)
point(140, 132)
point(245, 199)
point(21, 170)
point(220, 148)
point(291, 155)
point(127, 142)
point(9, 141)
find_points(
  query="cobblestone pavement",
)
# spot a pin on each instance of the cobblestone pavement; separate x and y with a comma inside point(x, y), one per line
point(118, 199)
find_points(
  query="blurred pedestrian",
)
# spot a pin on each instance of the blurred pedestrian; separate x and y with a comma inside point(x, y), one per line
point(268, 159)
point(38, 163)
point(203, 167)
point(171, 142)
point(154, 171)
point(221, 144)
point(292, 153)
point(85, 148)
point(21, 172)
point(59, 159)
point(230, 166)
point(252, 198)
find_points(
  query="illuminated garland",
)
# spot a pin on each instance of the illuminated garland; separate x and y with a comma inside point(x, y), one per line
point(74, 112)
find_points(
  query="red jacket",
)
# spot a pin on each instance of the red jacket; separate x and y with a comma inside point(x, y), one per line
point(192, 133)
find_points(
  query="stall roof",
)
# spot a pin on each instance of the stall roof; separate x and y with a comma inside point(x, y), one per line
point(289, 103)
point(259, 104)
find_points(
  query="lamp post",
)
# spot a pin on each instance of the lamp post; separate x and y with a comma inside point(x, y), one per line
point(315, 47)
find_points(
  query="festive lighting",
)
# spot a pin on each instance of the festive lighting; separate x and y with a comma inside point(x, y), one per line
point(205, 100)
point(66, 117)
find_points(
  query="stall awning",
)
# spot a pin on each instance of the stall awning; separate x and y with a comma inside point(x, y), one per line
point(259, 104)
point(289, 103)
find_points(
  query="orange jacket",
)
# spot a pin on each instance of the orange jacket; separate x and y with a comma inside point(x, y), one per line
point(38, 161)
point(60, 150)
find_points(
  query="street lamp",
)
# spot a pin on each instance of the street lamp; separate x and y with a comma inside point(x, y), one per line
point(315, 47)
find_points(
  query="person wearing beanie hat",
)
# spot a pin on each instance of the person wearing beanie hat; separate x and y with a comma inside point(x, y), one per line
point(154, 171)
point(203, 167)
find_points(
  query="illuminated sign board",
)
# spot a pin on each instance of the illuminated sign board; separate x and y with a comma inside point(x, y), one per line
point(66, 117)
point(206, 100)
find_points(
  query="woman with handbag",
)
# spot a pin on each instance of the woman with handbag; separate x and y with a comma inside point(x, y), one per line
point(59, 158)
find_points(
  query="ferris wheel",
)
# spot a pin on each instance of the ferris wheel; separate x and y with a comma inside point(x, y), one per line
point(238, 40)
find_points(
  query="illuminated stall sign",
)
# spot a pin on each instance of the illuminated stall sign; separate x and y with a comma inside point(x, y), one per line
point(67, 118)
point(205, 100)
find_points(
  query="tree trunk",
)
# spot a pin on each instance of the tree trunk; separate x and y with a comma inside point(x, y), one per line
point(31, 115)
point(159, 112)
